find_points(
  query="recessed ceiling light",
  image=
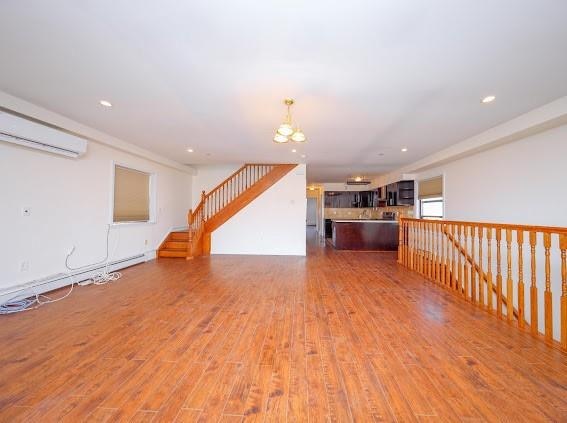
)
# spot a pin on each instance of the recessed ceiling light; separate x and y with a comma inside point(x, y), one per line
point(488, 99)
point(380, 154)
point(404, 149)
point(105, 103)
point(189, 150)
point(294, 150)
point(303, 156)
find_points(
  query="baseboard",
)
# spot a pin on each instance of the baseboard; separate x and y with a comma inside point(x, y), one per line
point(60, 280)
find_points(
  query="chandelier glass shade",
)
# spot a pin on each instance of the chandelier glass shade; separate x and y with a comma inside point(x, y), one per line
point(286, 131)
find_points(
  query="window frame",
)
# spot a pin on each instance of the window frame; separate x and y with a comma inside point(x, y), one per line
point(432, 200)
point(152, 195)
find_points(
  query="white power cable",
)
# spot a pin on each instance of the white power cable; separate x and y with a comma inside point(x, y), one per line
point(101, 278)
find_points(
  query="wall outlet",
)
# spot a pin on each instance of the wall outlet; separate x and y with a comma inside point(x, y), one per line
point(24, 266)
point(26, 211)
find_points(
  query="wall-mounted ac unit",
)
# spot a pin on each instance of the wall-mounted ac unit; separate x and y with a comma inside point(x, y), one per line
point(17, 130)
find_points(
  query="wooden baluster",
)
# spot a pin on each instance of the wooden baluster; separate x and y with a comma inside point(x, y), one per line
point(454, 282)
point(466, 286)
point(443, 257)
point(406, 242)
point(509, 286)
point(203, 200)
point(534, 321)
point(400, 242)
point(422, 247)
point(521, 314)
point(418, 241)
point(473, 269)
point(434, 251)
point(489, 284)
point(481, 281)
point(431, 262)
point(410, 245)
point(563, 248)
point(460, 281)
point(547, 295)
point(414, 252)
point(498, 274)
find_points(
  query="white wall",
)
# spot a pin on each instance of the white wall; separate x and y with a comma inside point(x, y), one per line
point(70, 205)
point(522, 182)
point(273, 224)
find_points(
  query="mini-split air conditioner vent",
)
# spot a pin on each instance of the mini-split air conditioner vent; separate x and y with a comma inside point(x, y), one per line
point(20, 131)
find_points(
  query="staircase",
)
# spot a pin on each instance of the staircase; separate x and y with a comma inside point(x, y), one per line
point(219, 205)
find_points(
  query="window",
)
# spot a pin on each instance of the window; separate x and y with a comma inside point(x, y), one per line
point(431, 208)
point(131, 195)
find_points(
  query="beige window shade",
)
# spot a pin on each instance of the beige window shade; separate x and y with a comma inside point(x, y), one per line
point(430, 188)
point(131, 195)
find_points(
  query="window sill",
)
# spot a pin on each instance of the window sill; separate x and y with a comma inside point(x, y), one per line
point(151, 222)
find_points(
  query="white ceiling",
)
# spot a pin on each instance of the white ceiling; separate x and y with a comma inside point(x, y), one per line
point(368, 76)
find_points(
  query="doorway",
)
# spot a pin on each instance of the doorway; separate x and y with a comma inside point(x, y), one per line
point(311, 219)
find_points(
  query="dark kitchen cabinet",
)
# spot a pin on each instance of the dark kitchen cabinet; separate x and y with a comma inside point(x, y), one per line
point(350, 199)
point(399, 193)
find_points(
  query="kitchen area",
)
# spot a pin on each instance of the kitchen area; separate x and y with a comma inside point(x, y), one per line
point(367, 219)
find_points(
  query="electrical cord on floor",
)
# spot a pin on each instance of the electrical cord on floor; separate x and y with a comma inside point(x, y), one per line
point(100, 278)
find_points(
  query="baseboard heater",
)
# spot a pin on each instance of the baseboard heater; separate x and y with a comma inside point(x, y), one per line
point(60, 280)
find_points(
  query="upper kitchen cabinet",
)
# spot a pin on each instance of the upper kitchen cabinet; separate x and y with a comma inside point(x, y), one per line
point(406, 193)
point(400, 193)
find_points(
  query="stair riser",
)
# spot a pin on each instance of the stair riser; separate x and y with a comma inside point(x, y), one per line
point(174, 253)
point(176, 245)
point(178, 236)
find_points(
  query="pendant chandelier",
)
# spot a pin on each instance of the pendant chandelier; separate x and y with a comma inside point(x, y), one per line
point(286, 132)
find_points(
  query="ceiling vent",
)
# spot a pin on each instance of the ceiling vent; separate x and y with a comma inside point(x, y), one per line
point(357, 181)
point(17, 130)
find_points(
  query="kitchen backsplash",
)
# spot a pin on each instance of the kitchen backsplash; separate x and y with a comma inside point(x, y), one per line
point(367, 213)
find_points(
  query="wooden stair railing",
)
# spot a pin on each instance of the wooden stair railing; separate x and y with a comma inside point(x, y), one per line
point(483, 277)
point(460, 256)
point(226, 199)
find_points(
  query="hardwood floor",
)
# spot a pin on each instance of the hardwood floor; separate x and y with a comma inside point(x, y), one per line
point(336, 336)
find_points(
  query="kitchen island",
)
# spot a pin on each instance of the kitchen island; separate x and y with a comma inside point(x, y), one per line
point(365, 235)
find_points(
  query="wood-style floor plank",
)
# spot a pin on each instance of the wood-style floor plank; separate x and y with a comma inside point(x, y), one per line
point(335, 336)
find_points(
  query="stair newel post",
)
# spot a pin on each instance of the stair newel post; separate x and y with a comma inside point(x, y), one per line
point(563, 248)
point(521, 314)
point(548, 302)
point(189, 232)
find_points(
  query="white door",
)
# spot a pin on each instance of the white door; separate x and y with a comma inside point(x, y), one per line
point(311, 211)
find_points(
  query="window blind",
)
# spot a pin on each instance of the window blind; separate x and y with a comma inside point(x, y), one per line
point(430, 188)
point(131, 195)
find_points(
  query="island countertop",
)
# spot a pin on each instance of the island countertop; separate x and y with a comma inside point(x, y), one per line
point(365, 234)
